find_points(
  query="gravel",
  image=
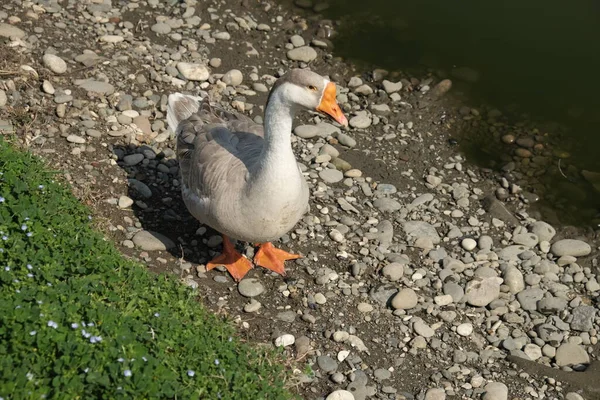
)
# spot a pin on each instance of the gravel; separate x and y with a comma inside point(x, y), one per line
point(420, 273)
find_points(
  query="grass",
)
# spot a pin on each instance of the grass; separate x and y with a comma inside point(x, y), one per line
point(79, 321)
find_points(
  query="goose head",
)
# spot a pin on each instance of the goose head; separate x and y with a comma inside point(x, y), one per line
point(300, 88)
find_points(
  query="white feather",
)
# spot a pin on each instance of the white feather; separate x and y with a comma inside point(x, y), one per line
point(180, 107)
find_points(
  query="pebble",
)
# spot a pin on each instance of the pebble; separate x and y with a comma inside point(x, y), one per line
point(96, 86)
point(285, 340)
point(10, 31)
point(125, 202)
point(495, 391)
point(481, 292)
point(331, 175)
point(465, 329)
point(250, 287)
point(569, 354)
point(3, 98)
point(75, 139)
point(513, 278)
point(393, 271)
point(435, 394)
point(305, 54)
point(405, 299)
point(340, 395)
point(55, 63)
point(570, 247)
point(193, 72)
point(152, 241)
point(544, 231)
point(327, 364)
point(361, 121)
point(233, 77)
point(422, 329)
point(391, 87)
point(306, 131)
point(468, 244)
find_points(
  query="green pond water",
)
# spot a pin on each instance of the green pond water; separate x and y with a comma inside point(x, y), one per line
point(538, 58)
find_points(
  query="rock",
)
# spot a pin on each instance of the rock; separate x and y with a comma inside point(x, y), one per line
point(385, 204)
point(305, 54)
point(365, 90)
point(533, 351)
point(55, 63)
point(96, 86)
point(441, 88)
point(526, 239)
point(511, 253)
point(465, 329)
point(551, 305)
point(391, 87)
point(133, 159)
point(380, 109)
point(297, 41)
point(112, 39)
point(583, 318)
point(327, 364)
point(3, 98)
point(250, 287)
point(468, 244)
point(393, 271)
point(422, 329)
point(9, 31)
point(233, 77)
point(361, 121)
point(140, 187)
point(193, 72)
point(75, 139)
point(340, 395)
point(346, 140)
point(495, 391)
point(331, 175)
point(454, 290)
point(420, 229)
point(306, 131)
point(513, 278)
point(528, 298)
point(435, 394)
point(496, 209)
point(125, 202)
point(152, 241)
point(481, 292)
point(543, 230)
point(160, 28)
point(571, 354)
point(405, 299)
point(285, 340)
point(570, 247)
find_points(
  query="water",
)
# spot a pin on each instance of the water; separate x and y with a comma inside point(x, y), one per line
point(539, 57)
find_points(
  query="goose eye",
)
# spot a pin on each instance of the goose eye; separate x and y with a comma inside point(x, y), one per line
point(313, 88)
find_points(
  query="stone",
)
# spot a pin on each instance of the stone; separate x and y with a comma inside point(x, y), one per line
point(405, 299)
point(571, 354)
point(9, 31)
point(133, 159)
point(346, 140)
point(513, 278)
point(570, 247)
point(331, 175)
point(306, 131)
point(161, 28)
point(140, 187)
point(327, 364)
point(526, 239)
point(551, 305)
point(193, 72)
point(418, 229)
point(285, 340)
point(75, 139)
point(495, 391)
point(583, 318)
point(422, 329)
point(125, 202)
point(481, 292)
point(361, 121)
point(385, 204)
point(3, 98)
point(391, 87)
point(454, 290)
point(111, 39)
point(96, 86)
point(533, 351)
point(468, 244)
point(393, 271)
point(543, 230)
point(511, 253)
point(304, 53)
point(152, 241)
point(297, 41)
point(54, 63)
point(233, 77)
point(340, 395)
point(465, 329)
point(435, 394)
point(528, 298)
point(250, 287)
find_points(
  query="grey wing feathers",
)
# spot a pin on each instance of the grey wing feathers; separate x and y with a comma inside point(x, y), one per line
point(214, 146)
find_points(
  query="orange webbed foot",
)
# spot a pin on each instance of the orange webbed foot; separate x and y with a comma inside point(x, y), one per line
point(237, 265)
point(272, 258)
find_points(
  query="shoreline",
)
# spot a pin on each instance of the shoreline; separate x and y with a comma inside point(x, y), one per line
point(411, 257)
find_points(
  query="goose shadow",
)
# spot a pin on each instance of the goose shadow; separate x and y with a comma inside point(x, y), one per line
point(157, 200)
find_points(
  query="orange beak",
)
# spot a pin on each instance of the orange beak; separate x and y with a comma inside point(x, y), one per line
point(330, 106)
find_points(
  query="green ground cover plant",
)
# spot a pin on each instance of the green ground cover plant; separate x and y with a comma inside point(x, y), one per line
point(79, 321)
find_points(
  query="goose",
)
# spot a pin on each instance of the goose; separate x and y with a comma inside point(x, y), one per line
point(241, 178)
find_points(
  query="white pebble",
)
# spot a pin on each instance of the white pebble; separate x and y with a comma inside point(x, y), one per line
point(464, 329)
point(340, 395)
point(285, 340)
point(468, 244)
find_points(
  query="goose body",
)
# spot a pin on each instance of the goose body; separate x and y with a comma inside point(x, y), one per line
point(239, 177)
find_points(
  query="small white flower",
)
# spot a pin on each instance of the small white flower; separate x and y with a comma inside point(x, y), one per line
point(29, 234)
point(32, 333)
point(127, 372)
point(191, 373)
point(217, 362)
point(30, 275)
point(156, 314)
point(29, 376)
point(121, 359)
point(2, 199)
point(74, 325)
point(4, 237)
point(86, 370)
point(23, 227)
point(40, 187)
point(29, 267)
point(52, 324)
point(95, 339)
point(144, 358)
point(7, 268)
